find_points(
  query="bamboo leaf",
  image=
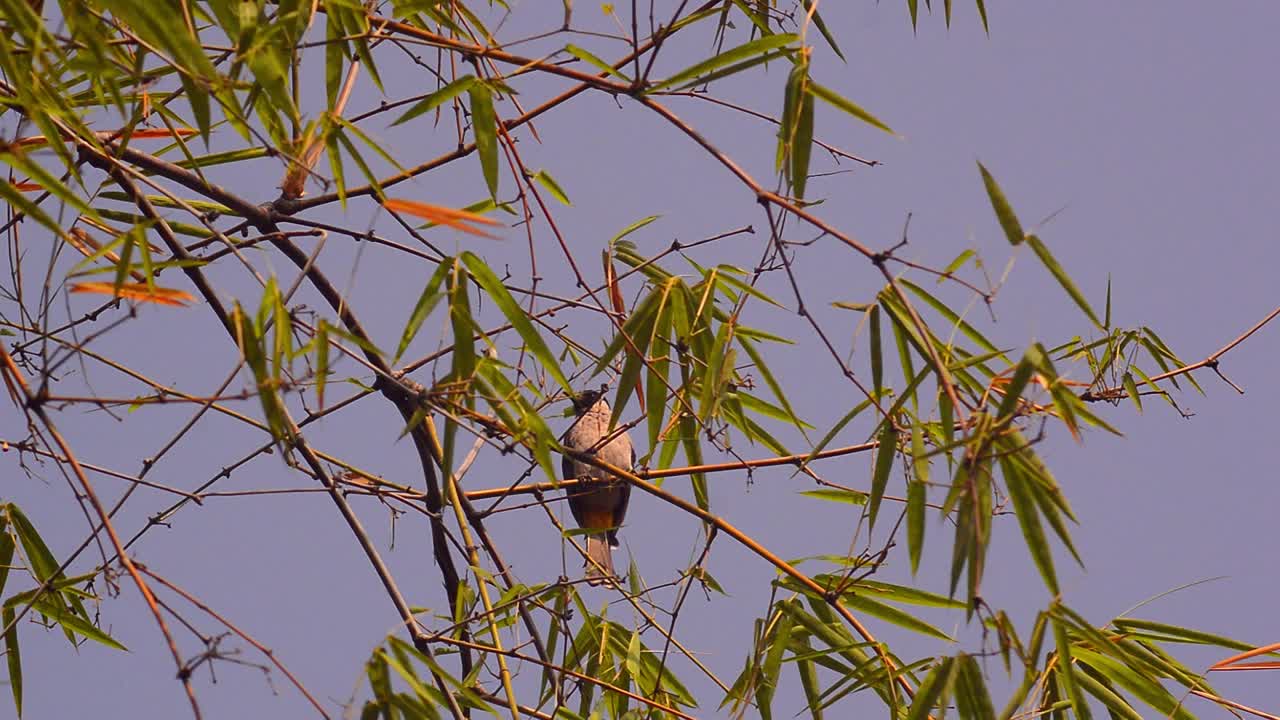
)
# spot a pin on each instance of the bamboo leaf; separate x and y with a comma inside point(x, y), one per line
point(972, 697)
point(850, 497)
point(516, 316)
point(431, 296)
point(1063, 279)
point(1004, 211)
point(884, 464)
point(64, 617)
point(1029, 520)
point(933, 690)
point(801, 144)
point(1064, 672)
point(844, 104)
point(1175, 633)
point(1146, 689)
point(543, 178)
point(13, 655)
point(822, 28)
point(1116, 705)
point(891, 614)
point(916, 498)
point(877, 353)
point(484, 123)
point(746, 52)
point(437, 98)
point(585, 56)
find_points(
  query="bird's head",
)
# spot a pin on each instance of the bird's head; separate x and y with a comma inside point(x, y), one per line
point(587, 399)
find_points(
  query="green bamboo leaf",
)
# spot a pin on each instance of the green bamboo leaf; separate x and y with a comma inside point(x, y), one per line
point(955, 320)
point(1063, 279)
point(743, 331)
point(955, 265)
point(1013, 390)
point(22, 204)
point(369, 175)
point(7, 547)
point(982, 11)
point(972, 697)
point(516, 316)
point(1131, 388)
point(891, 614)
point(398, 660)
point(1004, 211)
point(835, 430)
point(792, 94)
point(884, 464)
point(842, 103)
point(763, 407)
point(1176, 633)
point(464, 350)
point(1064, 671)
point(737, 68)
point(732, 407)
point(644, 313)
point(36, 173)
point(42, 563)
point(335, 55)
point(877, 353)
point(767, 375)
point(727, 282)
point(364, 137)
point(334, 152)
point(933, 690)
point(431, 296)
point(1146, 689)
point(840, 495)
point(484, 123)
point(164, 202)
point(543, 178)
point(632, 228)
point(13, 656)
point(801, 141)
point(1117, 705)
point(585, 56)
point(822, 28)
point(745, 52)
point(659, 370)
point(777, 644)
point(916, 499)
point(64, 617)
point(1029, 520)
point(437, 98)
point(634, 360)
point(693, 453)
point(878, 590)
point(1150, 656)
point(222, 158)
point(808, 675)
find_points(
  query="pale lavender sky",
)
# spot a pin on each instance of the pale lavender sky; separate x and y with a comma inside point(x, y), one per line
point(1152, 124)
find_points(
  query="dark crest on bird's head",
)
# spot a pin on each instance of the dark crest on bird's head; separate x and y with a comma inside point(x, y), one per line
point(586, 399)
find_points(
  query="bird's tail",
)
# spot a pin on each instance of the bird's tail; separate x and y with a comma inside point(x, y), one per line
point(600, 566)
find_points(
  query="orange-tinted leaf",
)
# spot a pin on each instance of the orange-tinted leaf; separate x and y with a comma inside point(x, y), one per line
point(139, 134)
point(137, 291)
point(1234, 662)
point(456, 219)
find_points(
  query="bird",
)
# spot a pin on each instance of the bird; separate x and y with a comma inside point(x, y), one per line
point(598, 500)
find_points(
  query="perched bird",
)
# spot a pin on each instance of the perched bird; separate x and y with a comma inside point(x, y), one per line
point(598, 500)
